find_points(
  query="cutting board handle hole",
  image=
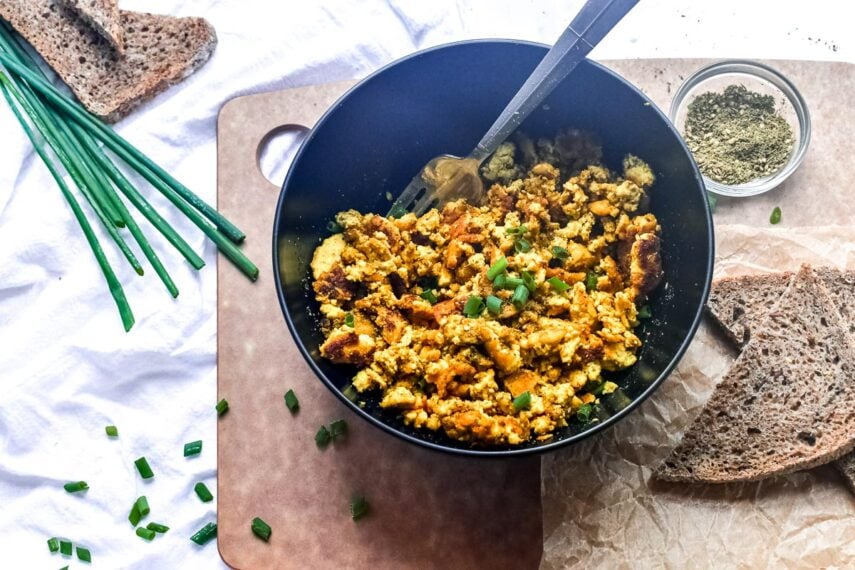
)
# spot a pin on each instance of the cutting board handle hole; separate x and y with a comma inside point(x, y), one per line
point(276, 151)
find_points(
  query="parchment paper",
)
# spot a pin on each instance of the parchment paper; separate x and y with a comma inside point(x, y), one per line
point(601, 507)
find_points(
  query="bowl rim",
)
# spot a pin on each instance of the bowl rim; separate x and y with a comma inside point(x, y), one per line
point(487, 453)
point(758, 70)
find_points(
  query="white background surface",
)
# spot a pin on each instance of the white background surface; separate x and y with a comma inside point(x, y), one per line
point(66, 367)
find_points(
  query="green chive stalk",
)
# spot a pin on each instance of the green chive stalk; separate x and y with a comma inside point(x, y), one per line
point(112, 281)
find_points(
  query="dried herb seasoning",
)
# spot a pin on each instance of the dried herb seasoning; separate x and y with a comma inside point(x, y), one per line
point(737, 136)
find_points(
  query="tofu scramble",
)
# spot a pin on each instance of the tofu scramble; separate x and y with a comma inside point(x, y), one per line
point(493, 324)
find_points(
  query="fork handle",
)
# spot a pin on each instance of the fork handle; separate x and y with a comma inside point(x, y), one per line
point(591, 24)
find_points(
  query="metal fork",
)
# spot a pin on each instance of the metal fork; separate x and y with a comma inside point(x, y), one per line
point(446, 178)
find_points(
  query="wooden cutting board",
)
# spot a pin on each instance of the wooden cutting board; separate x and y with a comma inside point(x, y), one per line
point(428, 510)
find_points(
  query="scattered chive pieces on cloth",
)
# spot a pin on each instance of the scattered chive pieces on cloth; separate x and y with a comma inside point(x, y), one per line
point(112, 431)
point(291, 401)
point(523, 401)
point(358, 507)
point(53, 544)
point(139, 510)
point(322, 438)
point(157, 527)
point(144, 468)
point(775, 218)
point(193, 448)
point(261, 529)
point(73, 134)
point(84, 554)
point(64, 568)
point(203, 493)
point(205, 534)
point(222, 407)
point(338, 428)
point(145, 533)
point(76, 486)
point(65, 547)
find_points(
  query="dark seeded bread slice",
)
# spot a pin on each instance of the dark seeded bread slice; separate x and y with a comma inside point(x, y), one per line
point(738, 304)
point(159, 51)
point(786, 404)
point(103, 16)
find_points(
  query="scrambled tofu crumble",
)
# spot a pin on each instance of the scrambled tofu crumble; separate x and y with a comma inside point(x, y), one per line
point(493, 324)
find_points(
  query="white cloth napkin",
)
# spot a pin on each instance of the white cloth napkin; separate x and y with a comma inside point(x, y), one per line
point(66, 367)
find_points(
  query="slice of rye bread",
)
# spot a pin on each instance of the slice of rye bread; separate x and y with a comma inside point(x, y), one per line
point(739, 304)
point(786, 404)
point(159, 51)
point(103, 16)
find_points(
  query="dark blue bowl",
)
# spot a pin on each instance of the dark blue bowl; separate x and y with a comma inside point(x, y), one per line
point(442, 100)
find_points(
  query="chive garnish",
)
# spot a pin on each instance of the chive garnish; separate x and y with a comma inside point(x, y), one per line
point(494, 305)
point(203, 493)
point(350, 392)
point(76, 486)
point(397, 211)
point(528, 280)
point(83, 554)
point(429, 296)
point(500, 281)
point(349, 320)
point(591, 281)
point(498, 267)
point(193, 448)
point(522, 245)
point(291, 401)
point(112, 431)
point(205, 534)
point(338, 428)
point(222, 407)
point(644, 312)
point(358, 507)
point(520, 296)
point(157, 527)
point(712, 201)
point(144, 468)
point(139, 510)
point(560, 253)
point(523, 401)
point(64, 568)
point(322, 438)
point(261, 529)
point(512, 283)
point(517, 231)
point(775, 218)
point(558, 284)
point(334, 227)
point(474, 306)
point(53, 544)
point(584, 413)
point(145, 533)
point(65, 547)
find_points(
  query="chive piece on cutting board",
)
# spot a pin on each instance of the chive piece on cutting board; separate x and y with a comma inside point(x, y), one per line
point(261, 529)
point(291, 401)
point(222, 407)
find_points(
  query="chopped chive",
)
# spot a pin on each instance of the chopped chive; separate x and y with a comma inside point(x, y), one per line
point(193, 448)
point(76, 486)
point(498, 267)
point(520, 296)
point(558, 284)
point(83, 554)
point(559, 252)
point(350, 392)
point(523, 401)
point(397, 211)
point(142, 505)
point(474, 306)
point(322, 438)
point(429, 296)
point(528, 280)
point(53, 544)
point(112, 431)
point(134, 516)
point(591, 281)
point(494, 305)
point(145, 533)
point(517, 231)
point(261, 529)
point(157, 527)
point(358, 507)
point(712, 201)
point(334, 227)
point(205, 534)
point(349, 320)
point(389, 196)
point(64, 568)
point(644, 312)
point(203, 493)
point(144, 468)
point(500, 281)
point(291, 401)
point(775, 218)
point(584, 413)
point(522, 245)
point(65, 547)
point(512, 283)
point(338, 428)
point(222, 407)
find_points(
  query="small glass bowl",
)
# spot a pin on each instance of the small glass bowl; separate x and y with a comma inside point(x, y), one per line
point(761, 79)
